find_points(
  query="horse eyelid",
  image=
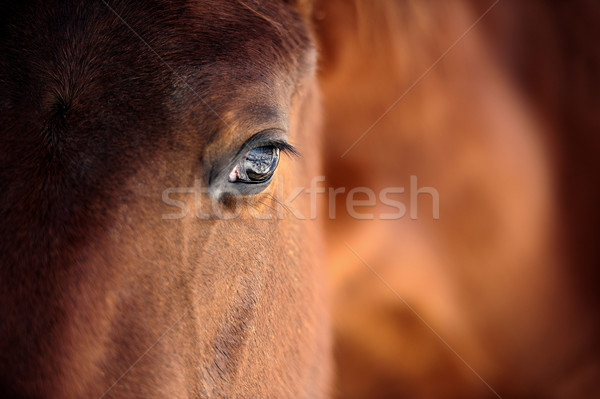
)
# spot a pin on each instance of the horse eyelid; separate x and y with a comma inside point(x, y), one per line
point(270, 137)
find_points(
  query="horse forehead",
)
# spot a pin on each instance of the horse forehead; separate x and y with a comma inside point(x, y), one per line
point(159, 61)
point(225, 53)
point(215, 37)
point(256, 52)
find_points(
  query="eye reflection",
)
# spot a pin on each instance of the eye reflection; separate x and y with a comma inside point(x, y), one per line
point(257, 166)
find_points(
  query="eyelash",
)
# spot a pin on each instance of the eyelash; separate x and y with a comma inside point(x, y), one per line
point(282, 146)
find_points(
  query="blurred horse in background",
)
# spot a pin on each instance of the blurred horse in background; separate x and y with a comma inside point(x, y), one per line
point(495, 105)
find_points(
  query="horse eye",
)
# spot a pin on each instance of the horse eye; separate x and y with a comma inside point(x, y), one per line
point(257, 166)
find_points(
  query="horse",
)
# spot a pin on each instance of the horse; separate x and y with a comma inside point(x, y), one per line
point(112, 111)
point(156, 238)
